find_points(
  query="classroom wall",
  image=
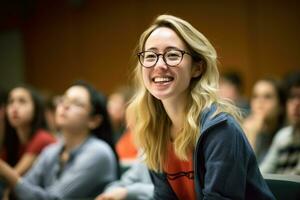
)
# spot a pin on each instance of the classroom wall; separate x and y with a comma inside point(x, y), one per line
point(95, 40)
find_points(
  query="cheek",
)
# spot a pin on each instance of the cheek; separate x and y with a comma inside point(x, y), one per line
point(27, 113)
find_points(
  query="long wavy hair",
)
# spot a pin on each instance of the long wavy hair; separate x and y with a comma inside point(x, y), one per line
point(151, 122)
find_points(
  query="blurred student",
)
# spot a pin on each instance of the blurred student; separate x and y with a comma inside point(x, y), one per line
point(3, 97)
point(135, 184)
point(266, 117)
point(191, 138)
point(116, 106)
point(80, 165)
point(231, 87)
point(284, 154)
point(25, 129)
point(51, 102)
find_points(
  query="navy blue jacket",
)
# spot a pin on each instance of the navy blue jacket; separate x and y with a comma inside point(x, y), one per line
point(225, 166)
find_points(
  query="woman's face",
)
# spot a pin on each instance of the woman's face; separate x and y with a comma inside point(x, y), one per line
point(73, 111)
point(293, 106)
point(163, 81)
point(20, 108)
point(264, 100)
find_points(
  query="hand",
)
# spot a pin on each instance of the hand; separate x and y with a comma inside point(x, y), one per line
point(2, 165)
point(116, 194)
point(8, 174)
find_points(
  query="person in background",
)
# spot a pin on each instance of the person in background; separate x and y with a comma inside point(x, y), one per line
point(116, 106)
point(126, 148)
point(25, 130)
point(284, 154)
point(51, 102)
point(191, 138)
point(267, 115)
point(231, 87)
point(135, 184)
point(78, 166)
point(3, 97)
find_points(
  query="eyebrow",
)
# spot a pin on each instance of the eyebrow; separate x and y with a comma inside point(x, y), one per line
point(166, 49)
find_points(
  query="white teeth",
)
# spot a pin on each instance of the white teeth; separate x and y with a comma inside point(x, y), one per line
point(162, 79)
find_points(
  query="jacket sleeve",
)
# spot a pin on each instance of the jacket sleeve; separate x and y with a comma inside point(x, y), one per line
point(162, 189)
point(226, 154)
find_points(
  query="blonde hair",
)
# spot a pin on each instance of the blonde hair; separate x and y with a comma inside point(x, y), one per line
point(151, 123)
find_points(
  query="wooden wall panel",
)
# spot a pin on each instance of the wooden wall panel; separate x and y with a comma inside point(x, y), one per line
point(94, 40)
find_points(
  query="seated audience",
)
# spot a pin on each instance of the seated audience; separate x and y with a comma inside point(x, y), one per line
point(284, 154)
point(80, 165)
point(135, 184)
point(266, 117)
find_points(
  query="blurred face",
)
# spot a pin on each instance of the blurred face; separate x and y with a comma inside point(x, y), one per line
point(293, 106)
point(116, 107)
point(264, 100)
point(163, 81)
point(228, 90)
point(20, 108)
point(73, 111)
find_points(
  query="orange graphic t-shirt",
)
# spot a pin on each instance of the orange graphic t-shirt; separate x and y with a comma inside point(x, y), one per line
point(180, 175)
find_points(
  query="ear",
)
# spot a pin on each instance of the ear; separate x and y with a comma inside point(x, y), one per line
point(197, 69)
point(95, 121)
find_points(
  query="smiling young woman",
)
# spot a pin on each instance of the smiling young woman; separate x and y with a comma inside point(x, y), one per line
point(192, 140)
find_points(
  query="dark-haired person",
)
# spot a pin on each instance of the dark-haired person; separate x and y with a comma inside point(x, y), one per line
point(266, 116)
point(25, 129)
point(283, 156)
point(78, 166)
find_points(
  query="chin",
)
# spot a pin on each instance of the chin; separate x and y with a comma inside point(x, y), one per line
point(161, 96)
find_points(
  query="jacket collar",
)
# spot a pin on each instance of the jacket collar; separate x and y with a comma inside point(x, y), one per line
point(208, 119)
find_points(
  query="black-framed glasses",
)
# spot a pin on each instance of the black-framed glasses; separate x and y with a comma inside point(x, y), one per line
point(171, 57)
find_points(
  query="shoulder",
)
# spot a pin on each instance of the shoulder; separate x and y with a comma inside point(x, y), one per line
point(95, 149)
point(43, 136)
point(224, 134)
point(222, 124)
point(94, 143)
point(284, 135)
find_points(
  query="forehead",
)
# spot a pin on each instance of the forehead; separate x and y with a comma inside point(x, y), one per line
point(78, 92)
point(20, 92)
point(162, 38)
point(264, 87)
point(295, 90)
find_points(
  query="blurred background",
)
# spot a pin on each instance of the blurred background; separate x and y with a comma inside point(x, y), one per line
point(51, 43)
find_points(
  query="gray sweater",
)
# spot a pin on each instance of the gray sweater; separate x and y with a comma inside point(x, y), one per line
point(91, 166)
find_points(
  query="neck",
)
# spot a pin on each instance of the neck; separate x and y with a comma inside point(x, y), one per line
point(271, 124)
point(74, 138)
point(23, 134)
point(175, 110)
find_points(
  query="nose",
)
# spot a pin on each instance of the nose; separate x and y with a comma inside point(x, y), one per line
point(161, 63)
